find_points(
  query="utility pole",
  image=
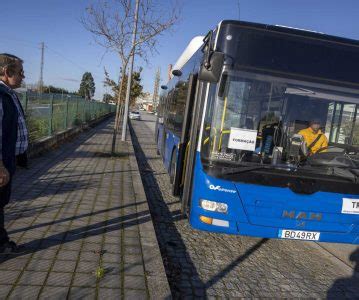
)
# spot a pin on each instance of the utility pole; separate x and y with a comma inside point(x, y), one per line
point(41, 81)
point(155, 89)
point(127, 102)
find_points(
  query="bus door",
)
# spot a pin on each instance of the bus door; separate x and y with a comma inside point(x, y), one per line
point(185, 136)
point(190, 144)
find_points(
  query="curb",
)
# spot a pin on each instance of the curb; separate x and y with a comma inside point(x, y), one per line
point(154, 269)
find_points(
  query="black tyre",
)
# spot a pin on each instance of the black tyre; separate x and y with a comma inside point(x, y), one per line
point(173, 167)
point(157, 151)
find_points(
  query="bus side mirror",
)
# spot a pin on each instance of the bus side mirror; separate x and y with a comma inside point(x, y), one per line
point(211, 69)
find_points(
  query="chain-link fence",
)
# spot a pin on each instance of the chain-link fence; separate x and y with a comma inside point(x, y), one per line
point(48, 114)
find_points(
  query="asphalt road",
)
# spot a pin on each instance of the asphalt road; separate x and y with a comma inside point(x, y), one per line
point(215, 265)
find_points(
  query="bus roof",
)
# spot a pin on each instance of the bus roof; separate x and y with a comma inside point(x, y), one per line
point(295, 31)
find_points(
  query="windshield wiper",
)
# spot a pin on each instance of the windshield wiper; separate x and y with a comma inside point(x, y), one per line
point(348, 173)
point(249, 169)
point(340, 171)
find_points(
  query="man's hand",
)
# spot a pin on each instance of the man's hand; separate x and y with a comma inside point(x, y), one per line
point(4, 175)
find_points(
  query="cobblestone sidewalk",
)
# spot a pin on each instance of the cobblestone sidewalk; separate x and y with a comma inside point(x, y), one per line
point(78, 210)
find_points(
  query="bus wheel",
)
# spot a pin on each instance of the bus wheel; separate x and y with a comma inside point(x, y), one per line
point(173, 167)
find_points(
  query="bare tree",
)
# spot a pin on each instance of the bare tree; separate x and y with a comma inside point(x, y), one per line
point(111, 23)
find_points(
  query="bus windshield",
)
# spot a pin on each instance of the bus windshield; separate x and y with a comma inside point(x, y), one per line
point(255, 121)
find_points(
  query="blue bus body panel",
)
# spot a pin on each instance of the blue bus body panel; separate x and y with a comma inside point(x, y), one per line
point(263, 211)
point(159, 138)
point(172, 142)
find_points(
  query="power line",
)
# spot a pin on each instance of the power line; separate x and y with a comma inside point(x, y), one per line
point(73, 62)
point(65, 58)
point(29, 44)
point(35, 46)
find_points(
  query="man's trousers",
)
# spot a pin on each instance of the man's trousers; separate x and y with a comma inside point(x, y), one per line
point(5, 193)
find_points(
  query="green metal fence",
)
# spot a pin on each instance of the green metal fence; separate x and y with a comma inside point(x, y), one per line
point(48, 114)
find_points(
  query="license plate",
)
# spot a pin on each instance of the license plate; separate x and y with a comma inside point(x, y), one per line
point(298, 235)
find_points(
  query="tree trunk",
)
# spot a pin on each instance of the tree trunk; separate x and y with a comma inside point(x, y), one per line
point(118, 111)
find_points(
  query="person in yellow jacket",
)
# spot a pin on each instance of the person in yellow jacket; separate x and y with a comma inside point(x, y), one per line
point(314, 137)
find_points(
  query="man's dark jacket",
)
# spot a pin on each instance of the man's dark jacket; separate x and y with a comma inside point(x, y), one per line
point(9, 130)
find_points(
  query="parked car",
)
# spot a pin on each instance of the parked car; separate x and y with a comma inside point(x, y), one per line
point(134, 115)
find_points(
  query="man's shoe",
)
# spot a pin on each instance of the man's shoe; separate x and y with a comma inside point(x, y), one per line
point(10, 247)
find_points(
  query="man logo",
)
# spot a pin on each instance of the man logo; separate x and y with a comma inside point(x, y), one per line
point(302, 215)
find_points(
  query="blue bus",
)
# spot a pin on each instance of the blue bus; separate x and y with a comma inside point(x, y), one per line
point(258, 130)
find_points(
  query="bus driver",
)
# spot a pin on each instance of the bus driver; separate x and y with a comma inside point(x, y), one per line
point(314, 137)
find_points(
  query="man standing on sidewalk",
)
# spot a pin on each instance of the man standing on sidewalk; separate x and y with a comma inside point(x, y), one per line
point(13, 136)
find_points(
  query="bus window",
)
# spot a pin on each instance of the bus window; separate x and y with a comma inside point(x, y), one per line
point(343, 121)
point(247, 118)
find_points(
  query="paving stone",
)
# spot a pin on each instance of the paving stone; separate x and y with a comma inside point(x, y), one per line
point(91, 247)
point(131, 269)
point(133, 250)
point(135, 294)
point(133, 259)
point(25, 292)
point(75, 245)
point(82, 293)
point(112, 239)
point(56, 293)
point(32, 278)
point(14, 264)
point(132, 241)
point(9, 277)
point(63, 266)
point(46, 254)
point(109, 294)
point(112, 257)
point(112, 268)
point(39, 265)
point(67, 255)
point(84, 280)
point(59, 279)
point(131, 234)
point(112, 248)
point(110, 281)
point(134, 282)
point(89, 256)
point(87, 266)
point(4, 290)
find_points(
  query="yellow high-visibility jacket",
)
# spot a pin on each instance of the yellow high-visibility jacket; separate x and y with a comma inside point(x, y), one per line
point(309, 137)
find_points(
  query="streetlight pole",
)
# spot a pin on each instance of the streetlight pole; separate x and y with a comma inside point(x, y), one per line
point(128, 92)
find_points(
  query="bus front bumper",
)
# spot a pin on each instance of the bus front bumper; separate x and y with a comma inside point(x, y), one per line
point(238, 228)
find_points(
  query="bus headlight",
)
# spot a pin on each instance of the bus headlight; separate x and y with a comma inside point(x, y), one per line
point(214, 206)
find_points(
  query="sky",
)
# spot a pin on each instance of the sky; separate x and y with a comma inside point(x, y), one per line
point(70, 50)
